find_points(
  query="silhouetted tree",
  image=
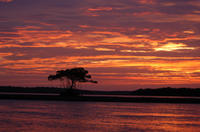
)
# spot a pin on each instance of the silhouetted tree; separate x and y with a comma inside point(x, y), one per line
point(70, 77)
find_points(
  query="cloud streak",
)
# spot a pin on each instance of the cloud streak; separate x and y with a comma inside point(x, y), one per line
point(151, 42)
point(6, 0)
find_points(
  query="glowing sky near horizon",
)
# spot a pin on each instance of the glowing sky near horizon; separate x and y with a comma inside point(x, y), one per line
point(124, 44)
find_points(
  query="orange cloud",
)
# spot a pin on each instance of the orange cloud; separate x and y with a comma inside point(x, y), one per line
point(171, 72)
point(6, 0)
point(2, 55)
point(97, 11)
point(169, 4)
point(104, 49)
point(189, 32)
point(142, 14)
point(84, 26)
point(100, 9)
point(147, 1)
point(5, 54)
point(173, 46)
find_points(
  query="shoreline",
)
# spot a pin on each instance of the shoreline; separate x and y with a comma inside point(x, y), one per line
point(99, 98)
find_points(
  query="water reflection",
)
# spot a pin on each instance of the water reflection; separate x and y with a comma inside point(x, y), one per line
point(97, 116)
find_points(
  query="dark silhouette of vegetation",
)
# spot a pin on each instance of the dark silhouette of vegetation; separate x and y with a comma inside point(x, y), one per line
point(143, 92)
point(51, 93)
point(70, 78)
point(31, 93)
point(168, 92)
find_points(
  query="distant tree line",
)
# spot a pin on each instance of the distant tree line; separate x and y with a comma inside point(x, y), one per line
point(143, 92)
point(168, 92)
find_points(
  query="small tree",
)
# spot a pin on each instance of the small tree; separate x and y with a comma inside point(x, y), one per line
point(70, 77)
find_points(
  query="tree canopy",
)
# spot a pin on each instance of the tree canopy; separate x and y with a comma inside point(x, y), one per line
point(70, 77)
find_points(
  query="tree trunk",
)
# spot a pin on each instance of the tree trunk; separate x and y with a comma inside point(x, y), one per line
point(73, 84)
point(68, 83)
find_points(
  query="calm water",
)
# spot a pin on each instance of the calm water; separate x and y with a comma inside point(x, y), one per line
point(60, 116)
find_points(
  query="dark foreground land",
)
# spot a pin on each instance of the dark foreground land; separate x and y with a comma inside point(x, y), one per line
point(189, 92)
point(183, 95)
point(100, 98)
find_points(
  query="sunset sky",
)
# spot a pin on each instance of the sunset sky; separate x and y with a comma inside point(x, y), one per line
point(124, 44)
